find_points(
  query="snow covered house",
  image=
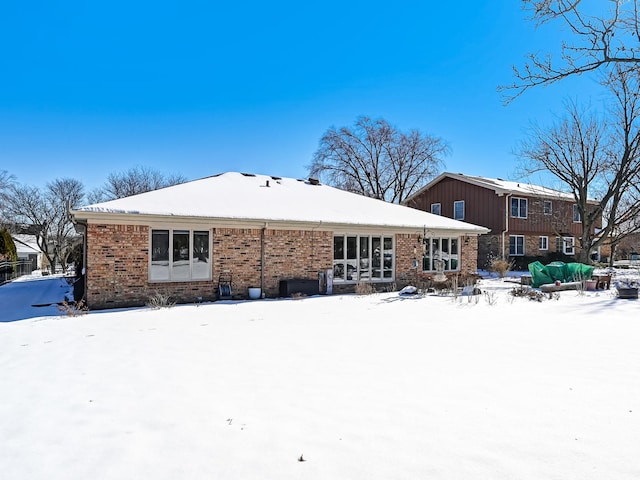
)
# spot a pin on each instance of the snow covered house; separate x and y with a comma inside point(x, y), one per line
point(244, 230)
point(28, 250)
point(527, 222)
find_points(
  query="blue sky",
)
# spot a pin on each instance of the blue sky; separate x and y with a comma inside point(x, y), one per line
point(201, 87)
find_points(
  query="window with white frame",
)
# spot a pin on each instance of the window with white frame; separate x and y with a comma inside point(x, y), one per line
point(363, 258)
point(543, 243)
point(458, 210)
point(576, 214)
point(516, 245)
point(180, 255)
point(547, 207)
point(518, 207)
point(568, 245)
point(435, 209)
point(446, 249)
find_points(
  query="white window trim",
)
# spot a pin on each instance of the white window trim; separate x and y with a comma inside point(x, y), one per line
point(550, 212)
point(546, 243)
point(569, 245)
point(171, 230)
point(356, 280)
point(523, 246)
point(458, 202)
point(439, 205)
point(526, 207)
point(458, 255)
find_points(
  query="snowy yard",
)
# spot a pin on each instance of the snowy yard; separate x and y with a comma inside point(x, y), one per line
point(362, 387)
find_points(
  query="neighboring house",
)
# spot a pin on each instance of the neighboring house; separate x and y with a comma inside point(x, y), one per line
point(256, 231)
point(28, 249)
point(526, 221)
point(629, 249)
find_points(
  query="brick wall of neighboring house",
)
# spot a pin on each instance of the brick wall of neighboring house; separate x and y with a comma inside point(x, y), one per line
point(490, 248)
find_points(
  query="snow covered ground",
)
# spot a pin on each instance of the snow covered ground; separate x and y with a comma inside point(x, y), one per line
point(33, 296)
point(359, 387)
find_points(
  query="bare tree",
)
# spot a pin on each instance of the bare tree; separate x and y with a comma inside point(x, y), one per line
point(603, 33)
point(45, 211)
point(373, 158)
point(6, 181)
point(595, 159)
point(132, 182)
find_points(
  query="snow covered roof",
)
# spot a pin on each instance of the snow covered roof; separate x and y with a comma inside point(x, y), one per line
point(248, 198)
point(501, 187)
point(26, 244)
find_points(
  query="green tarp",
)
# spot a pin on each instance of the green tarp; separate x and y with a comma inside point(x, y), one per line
point(558, 271)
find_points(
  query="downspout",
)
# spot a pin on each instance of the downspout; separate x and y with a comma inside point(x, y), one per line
point(322, 273)
point(262, 255)
point(506, 223)
point(81, 228)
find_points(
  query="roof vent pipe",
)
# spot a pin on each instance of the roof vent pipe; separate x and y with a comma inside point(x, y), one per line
point(267, 183)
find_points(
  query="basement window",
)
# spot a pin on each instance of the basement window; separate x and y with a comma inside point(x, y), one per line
point(180, 255)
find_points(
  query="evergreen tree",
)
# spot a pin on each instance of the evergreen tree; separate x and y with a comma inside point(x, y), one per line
point(8, 249)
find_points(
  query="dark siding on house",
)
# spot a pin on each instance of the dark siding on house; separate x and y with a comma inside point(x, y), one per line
point(482, 206)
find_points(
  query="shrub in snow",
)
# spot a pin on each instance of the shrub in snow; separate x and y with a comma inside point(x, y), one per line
point(491, 297)
point(364, 288)
point(500, 266)
point(73, 309)
point(529, 293)
point(159, 300)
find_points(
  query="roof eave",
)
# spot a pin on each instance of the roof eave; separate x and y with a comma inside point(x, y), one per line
point(124, 218)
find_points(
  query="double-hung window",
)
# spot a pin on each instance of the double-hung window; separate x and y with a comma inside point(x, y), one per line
point(363, 257)
point(543, 243)
point(518, 207)
point(576, 214)
point(180, 255)
point(547, 207)
point(516, 245)
point(569, 245)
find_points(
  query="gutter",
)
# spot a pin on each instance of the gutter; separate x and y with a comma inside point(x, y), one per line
point(80, 227)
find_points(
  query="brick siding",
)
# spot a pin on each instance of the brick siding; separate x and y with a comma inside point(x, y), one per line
point(288, 254)
point(118, 263)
